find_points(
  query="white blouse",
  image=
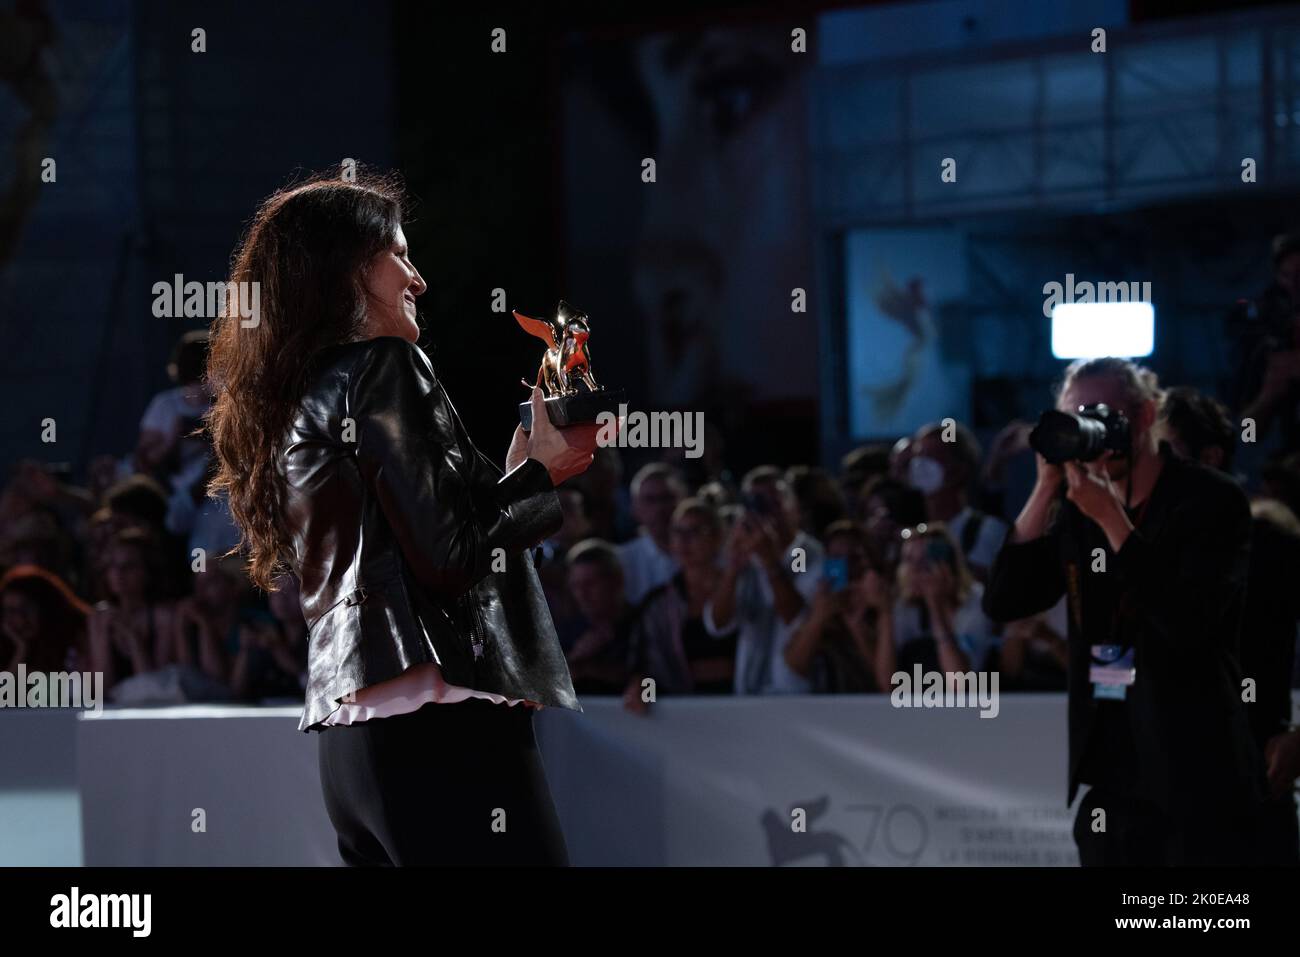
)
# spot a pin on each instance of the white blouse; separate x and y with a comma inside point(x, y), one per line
point(409, 691)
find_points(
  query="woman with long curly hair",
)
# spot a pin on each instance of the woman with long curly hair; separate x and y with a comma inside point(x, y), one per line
point(345, 462)
point(42, 623)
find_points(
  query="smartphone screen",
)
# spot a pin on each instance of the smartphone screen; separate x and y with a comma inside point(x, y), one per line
point(836, 571)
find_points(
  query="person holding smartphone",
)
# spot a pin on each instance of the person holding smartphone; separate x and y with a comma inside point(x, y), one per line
point(835, 647)
point(769, 576)
point(937, 620)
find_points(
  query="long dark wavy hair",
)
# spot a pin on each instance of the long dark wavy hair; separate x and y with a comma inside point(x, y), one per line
point(308, 248)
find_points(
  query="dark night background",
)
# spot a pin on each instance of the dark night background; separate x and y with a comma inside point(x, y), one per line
point(165, 153)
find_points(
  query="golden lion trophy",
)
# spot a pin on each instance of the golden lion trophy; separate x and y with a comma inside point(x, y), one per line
point(569, 388)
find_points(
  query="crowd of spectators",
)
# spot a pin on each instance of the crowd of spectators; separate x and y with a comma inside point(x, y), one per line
point(680, 579)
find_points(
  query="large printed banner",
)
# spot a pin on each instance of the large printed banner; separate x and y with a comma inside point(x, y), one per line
point(793, 781)
point(811, 781)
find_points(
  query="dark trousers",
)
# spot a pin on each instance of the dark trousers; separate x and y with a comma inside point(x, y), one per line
point(1280, 846)
point(449, 784)
point(1140, 834)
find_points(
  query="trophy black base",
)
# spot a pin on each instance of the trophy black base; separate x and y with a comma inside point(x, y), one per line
point(574, 409)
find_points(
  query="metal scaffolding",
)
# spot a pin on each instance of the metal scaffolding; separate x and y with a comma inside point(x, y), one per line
point(1166, 111)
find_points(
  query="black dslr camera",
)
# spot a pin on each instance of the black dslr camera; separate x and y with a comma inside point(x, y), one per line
point(1080, 436)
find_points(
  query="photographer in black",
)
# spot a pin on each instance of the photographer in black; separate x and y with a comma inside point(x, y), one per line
point(1265, 334)
point(1151, 551)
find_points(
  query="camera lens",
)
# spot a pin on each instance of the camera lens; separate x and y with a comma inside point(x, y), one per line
point(1067, 437)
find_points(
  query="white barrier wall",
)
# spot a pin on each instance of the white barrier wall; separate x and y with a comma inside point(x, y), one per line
point(699, 781)
point(702, 781)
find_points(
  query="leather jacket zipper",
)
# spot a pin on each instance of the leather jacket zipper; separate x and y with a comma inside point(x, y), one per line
point(476, 640)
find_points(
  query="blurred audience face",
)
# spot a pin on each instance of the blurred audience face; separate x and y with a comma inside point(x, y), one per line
point(694, 542)
point(934, 465)
point(101, 474)
point(653, 506)
point(597, 591)
point(876, 518)
point(126, 572)
point(104, 525)
point(20, 617)
point(779, 507)
point(820, 499)
point(917, 563)
point(852, 550)
point(1089, 390)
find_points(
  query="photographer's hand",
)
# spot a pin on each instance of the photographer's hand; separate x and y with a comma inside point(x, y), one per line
point(1095, 495)
point(1033, 519)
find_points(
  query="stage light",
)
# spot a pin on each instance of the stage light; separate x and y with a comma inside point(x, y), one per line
point(1087, 330)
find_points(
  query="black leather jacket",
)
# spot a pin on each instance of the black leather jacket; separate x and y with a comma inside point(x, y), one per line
point(409, 544)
